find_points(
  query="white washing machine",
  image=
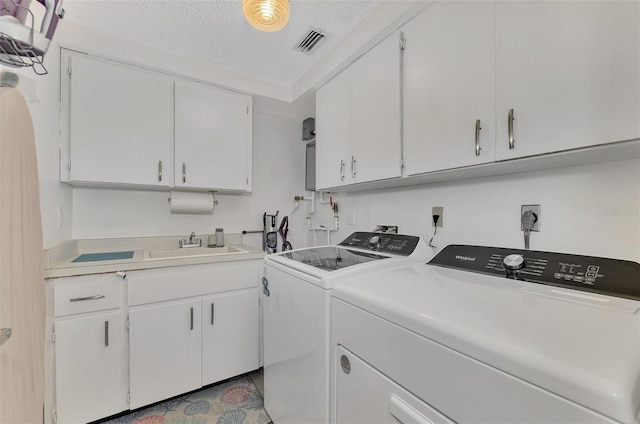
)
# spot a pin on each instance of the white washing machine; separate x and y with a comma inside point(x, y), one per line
point(296, 306)
point(556, 341)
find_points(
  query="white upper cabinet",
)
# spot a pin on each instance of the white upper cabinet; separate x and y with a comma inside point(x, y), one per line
point(332, 132)
point(358, 120)
point(212, 138)
point(123, 125)
point(374, 109)
point(570, 71)
point(449, 87)
point(119, 124)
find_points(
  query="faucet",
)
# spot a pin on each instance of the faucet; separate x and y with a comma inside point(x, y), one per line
point(192, 242)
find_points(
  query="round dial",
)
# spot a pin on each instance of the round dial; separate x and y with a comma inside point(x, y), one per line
point(513, 262)
point(374, 240)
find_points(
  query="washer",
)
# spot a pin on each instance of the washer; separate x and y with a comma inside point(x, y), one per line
point(296, 297)
point(481, 335)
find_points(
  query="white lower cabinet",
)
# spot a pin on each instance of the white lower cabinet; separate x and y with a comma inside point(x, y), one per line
point(164, 351)
point(180, 328)
point(88, 367)
point(191, 326)
point(87, 343)
point(230, 335)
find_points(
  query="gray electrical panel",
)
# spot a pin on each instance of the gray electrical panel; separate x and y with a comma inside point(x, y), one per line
point(310, 168)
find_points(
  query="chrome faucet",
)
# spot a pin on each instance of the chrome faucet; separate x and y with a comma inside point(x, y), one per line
point(192, 242)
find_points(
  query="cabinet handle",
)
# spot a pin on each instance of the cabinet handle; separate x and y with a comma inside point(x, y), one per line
point(512, 142)
point(342, 170)
point(106, 333)
point(159, 170)
point(184, 172)
point(80, 299)
point(478, 128)
point(192, 318)
point(353, 167)
point(212, 313)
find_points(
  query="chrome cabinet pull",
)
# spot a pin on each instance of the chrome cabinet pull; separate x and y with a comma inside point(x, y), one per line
point(341, 170)
point(106, 333)
point(212, 313)
point(512, 142)
point(81, 299)
point(159, 170)
point(184, 172)
point(478, 128)
point(353, 167)
point(192, 318)
point(5, 334)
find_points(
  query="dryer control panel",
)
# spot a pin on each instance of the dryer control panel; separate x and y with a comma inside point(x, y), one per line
point(612, 277)
point(396, 244)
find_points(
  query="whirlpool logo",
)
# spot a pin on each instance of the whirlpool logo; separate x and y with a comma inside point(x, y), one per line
point(465, 258)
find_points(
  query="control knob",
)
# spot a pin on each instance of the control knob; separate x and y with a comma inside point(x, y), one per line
point(374, 241)
point(512, 264)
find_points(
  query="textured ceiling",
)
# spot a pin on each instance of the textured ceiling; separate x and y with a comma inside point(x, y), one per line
point(216, 30)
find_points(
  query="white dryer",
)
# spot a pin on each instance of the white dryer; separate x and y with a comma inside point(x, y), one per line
point(557, 341)
point(296, 297)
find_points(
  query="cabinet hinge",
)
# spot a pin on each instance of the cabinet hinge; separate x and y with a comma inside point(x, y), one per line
point(403, 40)
point(53, 336)
point(128, 397)
point(54, 417)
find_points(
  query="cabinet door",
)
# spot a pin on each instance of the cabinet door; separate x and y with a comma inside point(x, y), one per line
point(571, 73)
point(229, 335)
point(449, 85)
point(374, 111)
point(164, 351)
point(88, 363)
point(212, 139)
point(332, 132)
point(120, 124)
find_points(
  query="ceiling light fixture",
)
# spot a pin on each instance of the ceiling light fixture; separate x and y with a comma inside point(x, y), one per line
point(266, 15)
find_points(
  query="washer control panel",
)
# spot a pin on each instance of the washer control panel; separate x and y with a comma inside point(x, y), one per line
point(396, 244)
point(612, 277)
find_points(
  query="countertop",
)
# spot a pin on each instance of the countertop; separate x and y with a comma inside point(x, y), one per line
point(58, 260)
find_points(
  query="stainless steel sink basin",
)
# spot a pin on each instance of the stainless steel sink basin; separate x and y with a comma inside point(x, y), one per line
point(192, 251)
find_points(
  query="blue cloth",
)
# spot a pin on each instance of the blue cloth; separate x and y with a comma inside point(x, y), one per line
point(108, 256)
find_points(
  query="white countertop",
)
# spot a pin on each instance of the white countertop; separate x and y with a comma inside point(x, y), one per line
point(58, 260)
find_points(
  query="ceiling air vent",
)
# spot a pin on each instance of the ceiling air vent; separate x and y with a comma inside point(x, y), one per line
point(309, 41)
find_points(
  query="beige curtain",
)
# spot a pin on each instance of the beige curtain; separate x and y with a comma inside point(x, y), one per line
point(22, 306)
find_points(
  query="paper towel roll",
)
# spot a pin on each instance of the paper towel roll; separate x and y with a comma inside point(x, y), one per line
point(193, 203)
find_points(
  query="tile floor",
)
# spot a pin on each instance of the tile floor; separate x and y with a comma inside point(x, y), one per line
point(238, 400)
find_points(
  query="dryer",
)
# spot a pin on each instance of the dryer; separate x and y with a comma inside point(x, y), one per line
point(296, 297)
point(484, 334)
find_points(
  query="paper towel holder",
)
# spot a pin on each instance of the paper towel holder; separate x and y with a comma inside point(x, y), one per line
point(215, 201)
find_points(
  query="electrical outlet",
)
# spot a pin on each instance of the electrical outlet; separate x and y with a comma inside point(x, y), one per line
point(438, 210)
point(536, 210)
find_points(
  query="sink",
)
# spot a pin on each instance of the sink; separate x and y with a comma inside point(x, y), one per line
point(193, 251)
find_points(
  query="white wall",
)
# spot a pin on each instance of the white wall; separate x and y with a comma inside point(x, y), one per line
point(590, 210)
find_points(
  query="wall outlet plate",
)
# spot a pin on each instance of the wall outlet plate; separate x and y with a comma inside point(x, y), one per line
point(536, 210)
point(438, 210)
